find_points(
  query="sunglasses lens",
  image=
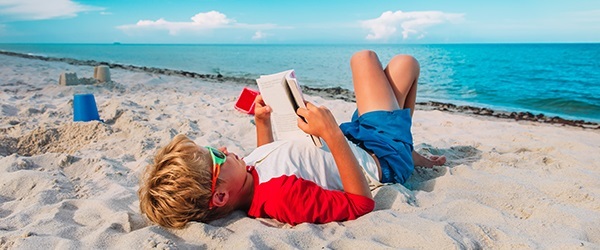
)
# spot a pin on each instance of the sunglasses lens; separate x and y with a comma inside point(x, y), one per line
point(217, 153)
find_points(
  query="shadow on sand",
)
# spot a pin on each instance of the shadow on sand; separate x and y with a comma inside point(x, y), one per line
point(424, 178)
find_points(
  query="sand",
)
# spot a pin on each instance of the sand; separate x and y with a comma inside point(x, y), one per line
point(72, 185)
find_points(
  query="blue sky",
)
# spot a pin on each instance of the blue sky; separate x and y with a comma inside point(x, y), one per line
point(308, 21)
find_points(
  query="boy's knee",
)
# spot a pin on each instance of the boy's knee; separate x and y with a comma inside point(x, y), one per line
point(404, 62)
point(363, 56)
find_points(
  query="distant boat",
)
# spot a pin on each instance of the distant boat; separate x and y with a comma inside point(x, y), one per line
point(116, 43)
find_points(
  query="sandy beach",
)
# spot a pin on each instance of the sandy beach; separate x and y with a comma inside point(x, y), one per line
point(72, 185)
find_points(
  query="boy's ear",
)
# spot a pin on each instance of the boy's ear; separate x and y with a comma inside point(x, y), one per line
point(220, 198)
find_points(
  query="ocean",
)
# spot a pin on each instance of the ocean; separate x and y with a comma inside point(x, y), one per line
point(553, 79)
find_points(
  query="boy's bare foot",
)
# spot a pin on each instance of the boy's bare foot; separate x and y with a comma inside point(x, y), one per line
point(435, 160)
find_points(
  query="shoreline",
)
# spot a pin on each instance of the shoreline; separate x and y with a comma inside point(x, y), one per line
point(347, 95)
point(332, 92)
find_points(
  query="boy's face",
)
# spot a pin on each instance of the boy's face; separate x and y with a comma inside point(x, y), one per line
point(234, 168)
point(238, 182)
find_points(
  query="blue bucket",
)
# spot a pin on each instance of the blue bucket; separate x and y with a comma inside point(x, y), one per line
point(84, 108)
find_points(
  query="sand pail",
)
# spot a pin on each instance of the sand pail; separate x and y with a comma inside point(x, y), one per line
point(102, 73)
point(84, 108)
point(245, 102)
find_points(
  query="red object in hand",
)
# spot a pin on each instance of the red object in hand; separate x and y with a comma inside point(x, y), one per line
point(245, 102)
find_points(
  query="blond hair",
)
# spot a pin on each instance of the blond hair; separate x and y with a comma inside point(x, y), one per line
point(176, 188)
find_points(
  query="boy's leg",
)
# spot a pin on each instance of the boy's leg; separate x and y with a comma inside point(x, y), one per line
point(403, 73)
point(390, 89)
point(371, 86)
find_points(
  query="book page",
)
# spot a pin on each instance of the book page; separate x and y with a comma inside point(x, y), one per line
point(273, 92)
point(285, 122)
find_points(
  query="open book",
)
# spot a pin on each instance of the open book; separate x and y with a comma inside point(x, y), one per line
point(282, 92)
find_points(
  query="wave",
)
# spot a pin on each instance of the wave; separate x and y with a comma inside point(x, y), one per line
point(562, 105)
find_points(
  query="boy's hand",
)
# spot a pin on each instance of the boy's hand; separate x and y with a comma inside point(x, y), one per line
point(319, 121)
point(262, 111)
point(262, 118)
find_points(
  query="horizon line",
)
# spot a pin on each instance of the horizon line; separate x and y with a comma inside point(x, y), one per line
point(433, 43)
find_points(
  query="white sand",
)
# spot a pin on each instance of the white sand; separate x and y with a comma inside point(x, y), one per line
point(73, 185)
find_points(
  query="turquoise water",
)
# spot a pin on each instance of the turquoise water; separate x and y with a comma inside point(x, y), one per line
point(554, 79)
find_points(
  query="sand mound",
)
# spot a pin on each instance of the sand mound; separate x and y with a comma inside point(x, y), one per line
point(68, 138)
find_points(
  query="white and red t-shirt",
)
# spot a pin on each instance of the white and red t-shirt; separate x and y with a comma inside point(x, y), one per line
point(296, 182)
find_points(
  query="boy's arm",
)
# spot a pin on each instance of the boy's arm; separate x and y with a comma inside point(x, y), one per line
point(294, 200)
point(320, 122)
point(262, 119)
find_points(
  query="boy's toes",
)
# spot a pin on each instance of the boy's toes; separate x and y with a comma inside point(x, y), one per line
point(438, 160)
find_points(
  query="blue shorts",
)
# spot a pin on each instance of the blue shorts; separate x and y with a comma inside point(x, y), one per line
point(387, 135)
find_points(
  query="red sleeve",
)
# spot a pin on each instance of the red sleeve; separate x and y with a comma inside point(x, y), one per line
point(293, 200)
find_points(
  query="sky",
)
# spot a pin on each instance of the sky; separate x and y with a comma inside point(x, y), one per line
point(298, 22)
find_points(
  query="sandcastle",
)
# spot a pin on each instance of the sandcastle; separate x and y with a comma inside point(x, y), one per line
point(68, 79)
point(101, 75)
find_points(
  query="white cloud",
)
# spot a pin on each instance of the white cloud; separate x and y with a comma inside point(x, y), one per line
point(41, 9)
point(201, 21)
point(411, 23)
point(259, 35)
point(211, 19)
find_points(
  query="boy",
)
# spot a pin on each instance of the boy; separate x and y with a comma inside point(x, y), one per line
point(292, 181)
